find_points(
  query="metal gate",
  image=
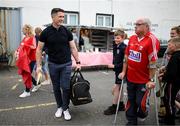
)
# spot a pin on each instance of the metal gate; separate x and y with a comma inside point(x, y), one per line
point(10, 27)
point(10, 32)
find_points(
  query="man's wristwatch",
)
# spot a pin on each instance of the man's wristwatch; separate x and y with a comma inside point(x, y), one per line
point(78, 62)
point(152, 80)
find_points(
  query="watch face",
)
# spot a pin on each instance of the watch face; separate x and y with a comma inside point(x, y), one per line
point(152, 80)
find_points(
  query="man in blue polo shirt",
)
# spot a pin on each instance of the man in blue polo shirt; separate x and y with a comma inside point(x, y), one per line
point(59, 42)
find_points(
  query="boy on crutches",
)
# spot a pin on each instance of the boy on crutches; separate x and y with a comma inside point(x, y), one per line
point(118, 56)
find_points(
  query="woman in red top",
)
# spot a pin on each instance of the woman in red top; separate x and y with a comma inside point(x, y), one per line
point(26, 58)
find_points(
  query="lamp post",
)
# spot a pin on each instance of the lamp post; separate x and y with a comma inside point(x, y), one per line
point(78, 27)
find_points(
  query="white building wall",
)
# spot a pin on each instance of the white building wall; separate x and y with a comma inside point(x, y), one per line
point(159, 11)
point(163, 13)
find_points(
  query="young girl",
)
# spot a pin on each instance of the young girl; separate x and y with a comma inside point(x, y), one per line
point(44, 69)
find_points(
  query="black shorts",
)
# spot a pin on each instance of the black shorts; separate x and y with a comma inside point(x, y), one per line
point(117, 80)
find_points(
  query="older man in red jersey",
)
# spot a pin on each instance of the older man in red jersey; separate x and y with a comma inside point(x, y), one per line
point(140, 66)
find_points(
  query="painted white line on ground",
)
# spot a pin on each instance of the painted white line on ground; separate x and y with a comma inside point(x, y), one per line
point(8, 109)
point(14, 87)
point(14, 76)
point(105, 73)
point(28, 107)
point(20, 80)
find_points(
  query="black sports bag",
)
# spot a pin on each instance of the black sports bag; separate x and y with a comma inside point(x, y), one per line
point(79, 89)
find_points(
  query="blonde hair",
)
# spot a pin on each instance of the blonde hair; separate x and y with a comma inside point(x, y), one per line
point(119, 32)
point(176, 41)
point(29, 29)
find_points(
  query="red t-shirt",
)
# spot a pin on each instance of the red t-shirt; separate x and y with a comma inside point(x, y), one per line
point(140, 53)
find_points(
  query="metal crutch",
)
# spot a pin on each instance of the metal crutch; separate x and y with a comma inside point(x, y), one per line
point(114, 122)
point(155, 101)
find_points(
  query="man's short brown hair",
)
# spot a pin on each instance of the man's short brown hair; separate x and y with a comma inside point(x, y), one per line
point(177, 29)
point(55, 11)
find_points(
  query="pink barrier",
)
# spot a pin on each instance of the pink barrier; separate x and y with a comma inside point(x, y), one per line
point(94, 58)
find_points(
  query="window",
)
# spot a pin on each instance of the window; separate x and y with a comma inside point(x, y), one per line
point(71, 18)
point(105, 20)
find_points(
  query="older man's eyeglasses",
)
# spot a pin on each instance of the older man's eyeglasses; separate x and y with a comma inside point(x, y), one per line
point(139, 24)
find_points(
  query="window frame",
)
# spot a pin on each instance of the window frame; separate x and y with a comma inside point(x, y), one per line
point(104, 21)
point(69, 13)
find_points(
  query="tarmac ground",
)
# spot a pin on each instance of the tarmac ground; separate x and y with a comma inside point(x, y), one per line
point(39, 108)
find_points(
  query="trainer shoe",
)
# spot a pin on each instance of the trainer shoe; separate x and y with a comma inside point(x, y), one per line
point(46, 82)
point(67, 115)
point(35, 88)
point(58, 113)
point(110, 110)
point(24, 94)
point(141, 119)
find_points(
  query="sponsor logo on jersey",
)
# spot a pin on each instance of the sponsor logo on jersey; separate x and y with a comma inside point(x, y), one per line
point(134, 56)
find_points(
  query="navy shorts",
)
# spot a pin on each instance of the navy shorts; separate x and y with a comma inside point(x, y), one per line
point(117, 80)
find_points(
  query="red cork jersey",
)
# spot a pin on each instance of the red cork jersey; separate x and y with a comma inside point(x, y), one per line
point(140, 53)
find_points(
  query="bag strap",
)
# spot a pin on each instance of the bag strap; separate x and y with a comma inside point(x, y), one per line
point(76, 72)
point(80, 74)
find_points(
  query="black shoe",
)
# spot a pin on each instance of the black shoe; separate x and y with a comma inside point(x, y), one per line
point(177, 114)
point(166, 121)
point(162, 121)
point(162, 112)
point(121, 106)
point(111, 110)
point(131, 123)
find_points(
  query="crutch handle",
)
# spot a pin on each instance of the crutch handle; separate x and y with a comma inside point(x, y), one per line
point(150, 85)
